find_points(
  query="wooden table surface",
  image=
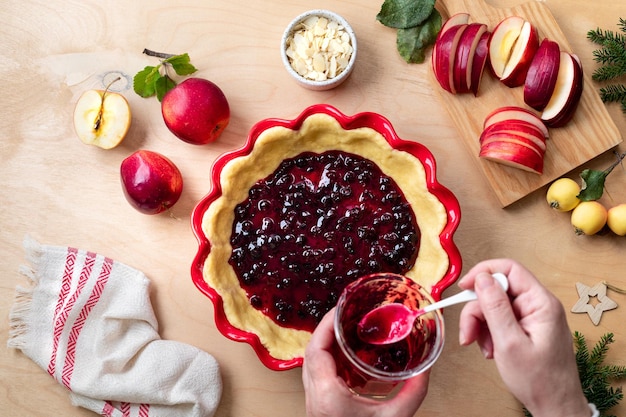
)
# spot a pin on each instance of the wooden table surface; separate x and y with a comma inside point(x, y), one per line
point(63, 192)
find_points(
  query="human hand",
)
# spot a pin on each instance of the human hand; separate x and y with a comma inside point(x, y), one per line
point(527, 335)
point(328, 395)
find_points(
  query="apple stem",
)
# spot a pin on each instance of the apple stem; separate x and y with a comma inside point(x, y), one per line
point(98, 121)
point(157, 54)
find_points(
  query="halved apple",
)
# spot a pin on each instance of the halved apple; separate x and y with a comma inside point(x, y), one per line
point(515, 113)
point(444, 52)
point(465, 54)
point(102, 118)
point(512, 46)
point(481, 56)
point(514, 155)
point(567, 92)
point(542, 74)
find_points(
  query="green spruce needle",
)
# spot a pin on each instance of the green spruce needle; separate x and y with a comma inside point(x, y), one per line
point(155, 80)
point(593, 181)
point(612, 59)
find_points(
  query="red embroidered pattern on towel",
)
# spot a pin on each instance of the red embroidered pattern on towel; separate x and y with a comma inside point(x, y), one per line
point(66, 303)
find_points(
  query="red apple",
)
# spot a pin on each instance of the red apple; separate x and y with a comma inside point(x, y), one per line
point(542, 74)
point(514, 112)
point(196, 111)
point(567, 92)
point(513, 155)
point(464, 57)
point(444, 52)
point(481, 56)
point(151, 182)
point(512, 47)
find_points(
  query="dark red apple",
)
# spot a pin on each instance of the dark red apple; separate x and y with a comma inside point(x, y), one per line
point(444, 53)
point(481, 57)
point(542, 74)
point(567, 92)
point(196, 111)
point(151, 182)
point(464, 56)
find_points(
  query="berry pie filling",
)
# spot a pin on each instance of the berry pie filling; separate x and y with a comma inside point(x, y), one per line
point(303, 212)
point(314, 225)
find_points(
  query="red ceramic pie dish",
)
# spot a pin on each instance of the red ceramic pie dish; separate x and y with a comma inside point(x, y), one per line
point(370, 120)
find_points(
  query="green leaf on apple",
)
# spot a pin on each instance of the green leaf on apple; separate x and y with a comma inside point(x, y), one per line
point(403, 14)
point(412, 42)
point(152, 80)
point(593, 181)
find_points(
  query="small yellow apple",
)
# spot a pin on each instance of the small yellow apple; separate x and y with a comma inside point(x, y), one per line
point(616, 219)
point(102, 118)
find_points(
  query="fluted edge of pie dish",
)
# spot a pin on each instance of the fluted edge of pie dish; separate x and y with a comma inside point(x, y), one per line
point(365, 119)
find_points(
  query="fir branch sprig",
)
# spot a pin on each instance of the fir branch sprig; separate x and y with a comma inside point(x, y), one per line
point(612, 58)
point(595, 376)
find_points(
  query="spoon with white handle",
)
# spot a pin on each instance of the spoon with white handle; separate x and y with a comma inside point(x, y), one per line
point(393, 322)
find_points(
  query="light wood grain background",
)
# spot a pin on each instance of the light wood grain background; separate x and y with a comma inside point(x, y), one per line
point(65, 193)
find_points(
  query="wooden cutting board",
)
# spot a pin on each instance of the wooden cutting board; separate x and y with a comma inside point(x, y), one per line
point(590, 133)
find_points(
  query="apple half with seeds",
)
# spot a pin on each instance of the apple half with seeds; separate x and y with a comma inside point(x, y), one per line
point(102, 118)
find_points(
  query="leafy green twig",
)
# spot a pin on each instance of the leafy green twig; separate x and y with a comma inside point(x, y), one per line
point(593, 180)
point(612, 57)
point(155, 79)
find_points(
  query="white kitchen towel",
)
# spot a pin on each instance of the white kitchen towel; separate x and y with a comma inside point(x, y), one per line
point(87, 320)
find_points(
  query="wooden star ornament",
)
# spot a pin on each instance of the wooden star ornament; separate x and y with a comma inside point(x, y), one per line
point(583, 305)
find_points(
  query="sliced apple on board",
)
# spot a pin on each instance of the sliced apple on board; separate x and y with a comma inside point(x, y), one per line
point(542, 74)
point(102, 118)
point(515, 137)
point(444, 53)
point(514, 155)
point(512, 47)
point(460, 54)
point(465, 54)
point(515, 113)
point(567, 92)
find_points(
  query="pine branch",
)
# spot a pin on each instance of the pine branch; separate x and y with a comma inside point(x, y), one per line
point(612, 59)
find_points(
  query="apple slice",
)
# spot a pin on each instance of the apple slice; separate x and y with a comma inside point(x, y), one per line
point(514, 112)
point(502, 42)
point(514, 137)
point(456, 19)
point(521, 57)
point(464, 57)
point(513, 155)
point(102, 118)
point(517, 128)
point(481, 56)
point(443, 57)
point(542, 74)
point(567, 92)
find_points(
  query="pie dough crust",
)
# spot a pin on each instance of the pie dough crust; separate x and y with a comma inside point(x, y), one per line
point(318, 133)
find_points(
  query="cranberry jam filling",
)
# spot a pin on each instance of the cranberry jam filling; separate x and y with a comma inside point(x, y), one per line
point(316, 224)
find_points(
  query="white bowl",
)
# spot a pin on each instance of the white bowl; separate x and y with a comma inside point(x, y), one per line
point(331, 80)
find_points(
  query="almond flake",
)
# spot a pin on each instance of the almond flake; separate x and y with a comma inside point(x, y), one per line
point(319, 48)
